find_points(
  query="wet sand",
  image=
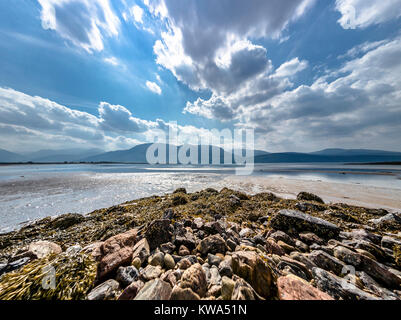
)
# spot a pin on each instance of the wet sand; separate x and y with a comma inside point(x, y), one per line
point(353, 194)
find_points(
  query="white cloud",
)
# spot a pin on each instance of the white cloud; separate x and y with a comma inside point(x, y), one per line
point(291, 67)
point(154, 87)
point(83, 22)
point(137, 13)
point(364, 13)
point(112, 60)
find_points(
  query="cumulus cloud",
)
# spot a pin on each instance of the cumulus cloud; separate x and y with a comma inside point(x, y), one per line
point(211, 49)
point(83, 22)
point(363, 13)
point(137, 13)
point(152, 86)
point(360, 104)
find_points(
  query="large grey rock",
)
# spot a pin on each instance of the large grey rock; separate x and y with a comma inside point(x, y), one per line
point(106, 291)
point(371, 267)
point(155, 290)
point(44, 248)
point(337, 287)
point(294, 222)
point(212, 244)
point(325, 261)
point(126, 275)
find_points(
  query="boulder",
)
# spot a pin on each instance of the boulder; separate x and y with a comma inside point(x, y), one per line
point(227, 288)
point(195, 279)
point(106, 291)
point(67, 220)
point(337, 287)
point(126, 275)
point(169, 262)
point(179, 293)
point(244, 291)
point(306, 196)
point(294, 222)
point(325, 261)
point(155, 290)
point(249, 266)
point(117, 251)
point(44, 248)
point(132, 290)
point(212, 244)
point(141, 250)
point(158, 232)
point(371, 267)
point(291, 287)
point(150, 273)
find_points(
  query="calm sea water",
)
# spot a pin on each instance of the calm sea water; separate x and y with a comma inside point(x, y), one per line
point(29, 192)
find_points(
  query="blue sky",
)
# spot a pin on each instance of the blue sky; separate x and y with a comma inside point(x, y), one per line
point(305, 74)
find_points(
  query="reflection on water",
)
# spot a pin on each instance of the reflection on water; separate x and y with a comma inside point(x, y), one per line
point(35, 191)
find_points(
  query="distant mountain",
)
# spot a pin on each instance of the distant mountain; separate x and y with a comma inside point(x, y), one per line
point(138, 154)
point(331, 155)
point(61, 155)
point(355, 152)
point(7, 156)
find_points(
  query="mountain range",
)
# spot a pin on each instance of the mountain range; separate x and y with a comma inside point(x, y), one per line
point(137, 154)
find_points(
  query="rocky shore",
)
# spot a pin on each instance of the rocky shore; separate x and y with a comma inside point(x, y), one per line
point(215, 245)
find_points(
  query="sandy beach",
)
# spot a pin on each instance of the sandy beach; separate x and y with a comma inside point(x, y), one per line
point(353, 194)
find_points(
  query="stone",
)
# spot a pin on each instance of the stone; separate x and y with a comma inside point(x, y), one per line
point(212, 244)
point(293, 222)
point(249, 266)
point(378, 253)
point(225, 268)
point(362, 234)
point(307, 206)
point(137, 263)
point(273, 248)
point(282, 236)
point(183, 251)
point(306, 196)
point(325, 261)
point(303, 258)
point(376, 270)
point(169, 262)
point(187, 240)
point(214, 277)
point(310, 238)
point(214, 227)
point(73, 250)
point(227, 288)
point(141, 250)
point(231, 244)
point(169, 277)
point(150, 273)
point(246, 232)
point(303, 247)
point(390, 242)
point(184, 264)
point(167, 248)
point(370, 284)
point(132, 290)
point(67, 220)
point(337, 287)
point(286, 247)
point(290, 266)
point(391, 221)
point(44, 248)
point(106, 291)
point(157, 259)
point(117, 251)
point(155, 290)
point(195, 279)
point(126, 275)
point(179, 293)
point(168, 214)
point(158, 232)
point(197, 223)
point(214, 291)
point(244, 291)
point(213, 260)
point(292, 287)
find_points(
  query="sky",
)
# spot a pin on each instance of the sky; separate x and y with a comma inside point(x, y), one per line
point(304, 74)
